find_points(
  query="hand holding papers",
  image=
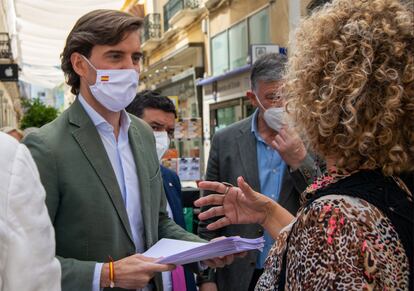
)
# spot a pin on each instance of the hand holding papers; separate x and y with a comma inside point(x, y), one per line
point(180, 252)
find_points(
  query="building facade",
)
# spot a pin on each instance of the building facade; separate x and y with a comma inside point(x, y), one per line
point(239, 32)
point(173, 47)
point(10, 109)
point(201, 51)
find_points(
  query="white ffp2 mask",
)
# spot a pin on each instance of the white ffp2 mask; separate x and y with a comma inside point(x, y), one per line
point(273, 116)
point(162, 143)
point(114, 89)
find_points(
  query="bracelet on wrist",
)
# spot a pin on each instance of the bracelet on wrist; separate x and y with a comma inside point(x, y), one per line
point(111, 273)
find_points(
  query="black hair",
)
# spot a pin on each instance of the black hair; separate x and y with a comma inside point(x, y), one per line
point(150, 99)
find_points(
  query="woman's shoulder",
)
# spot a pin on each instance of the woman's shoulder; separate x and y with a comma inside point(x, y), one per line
point(353, 210)
point(349, 220)
point(354, 238)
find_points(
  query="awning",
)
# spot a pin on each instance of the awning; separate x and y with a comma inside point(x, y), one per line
point(226, 75)
point(42, 27)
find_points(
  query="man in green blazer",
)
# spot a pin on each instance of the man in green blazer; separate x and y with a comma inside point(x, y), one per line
point(99, 165)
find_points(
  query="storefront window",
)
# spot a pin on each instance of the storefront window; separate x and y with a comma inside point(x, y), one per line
point(225, 117)
point(185, 90)
point(183, 156)
point(224, 114)
point(219, 46)
point(259, 28)
point(238, 45)
point(230, 48)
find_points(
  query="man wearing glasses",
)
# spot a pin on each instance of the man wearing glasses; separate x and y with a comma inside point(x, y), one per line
point(272, 159)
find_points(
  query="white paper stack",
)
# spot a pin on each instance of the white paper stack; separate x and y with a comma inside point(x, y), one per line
point(179, 252)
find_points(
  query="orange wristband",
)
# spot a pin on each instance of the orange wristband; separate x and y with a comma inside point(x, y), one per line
point(111, 273)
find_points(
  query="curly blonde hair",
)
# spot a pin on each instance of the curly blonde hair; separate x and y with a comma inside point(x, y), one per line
point(350, 84)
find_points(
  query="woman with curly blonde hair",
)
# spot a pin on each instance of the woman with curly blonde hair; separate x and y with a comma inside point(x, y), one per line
point(350, 86)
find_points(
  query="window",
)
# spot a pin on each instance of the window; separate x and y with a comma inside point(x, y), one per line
point(230, 49)
point(219, 47)
point(259, 28)
point(238, 45)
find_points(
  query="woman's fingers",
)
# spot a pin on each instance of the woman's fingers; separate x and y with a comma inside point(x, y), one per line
point(222, 222)
point(212, 212)
point(212, 199)
point(212, 186)
point(249, 193)
point(279, 142)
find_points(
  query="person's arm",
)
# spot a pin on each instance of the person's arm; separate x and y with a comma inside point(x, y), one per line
point(31, 262)
point(305, 174)
point(133, 272)
point(76, 274)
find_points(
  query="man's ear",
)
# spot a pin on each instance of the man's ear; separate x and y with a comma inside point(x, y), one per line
point(79, 64)
point(252, 98)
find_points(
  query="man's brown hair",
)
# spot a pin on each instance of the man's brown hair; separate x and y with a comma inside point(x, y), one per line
point(99, 27)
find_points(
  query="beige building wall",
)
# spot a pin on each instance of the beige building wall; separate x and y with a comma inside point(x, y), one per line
point(238, 10)
point(218, 20)
point(229, 15)
point(190, 34)
point(279, 22)
point(10, 109)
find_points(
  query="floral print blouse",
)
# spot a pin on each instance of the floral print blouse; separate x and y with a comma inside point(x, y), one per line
point(337, 243)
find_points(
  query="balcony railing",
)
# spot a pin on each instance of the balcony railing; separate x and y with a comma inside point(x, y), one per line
point(174, 6)
point(152, 27)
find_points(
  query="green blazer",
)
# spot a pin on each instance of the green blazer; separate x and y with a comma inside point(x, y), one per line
point(84, 199)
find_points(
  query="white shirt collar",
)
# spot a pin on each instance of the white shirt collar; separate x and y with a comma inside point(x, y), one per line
point(101, 122)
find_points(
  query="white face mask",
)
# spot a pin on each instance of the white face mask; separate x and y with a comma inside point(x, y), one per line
point(114, 89)
point(273, 116)
point(162, 143)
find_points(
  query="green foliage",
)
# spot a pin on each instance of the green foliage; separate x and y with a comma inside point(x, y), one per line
point(36, 113)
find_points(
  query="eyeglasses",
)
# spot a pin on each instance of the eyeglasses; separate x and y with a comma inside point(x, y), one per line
point(275, 98)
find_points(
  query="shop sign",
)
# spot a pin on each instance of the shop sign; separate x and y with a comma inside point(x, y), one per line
point(9, 72)
point(233, 87)
point(258, 50)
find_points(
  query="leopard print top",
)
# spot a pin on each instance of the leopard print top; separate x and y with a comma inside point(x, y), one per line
point(338, 243)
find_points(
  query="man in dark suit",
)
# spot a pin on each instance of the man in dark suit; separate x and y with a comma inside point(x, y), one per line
point(160, 113)
point(99, 166)
point(271, 158)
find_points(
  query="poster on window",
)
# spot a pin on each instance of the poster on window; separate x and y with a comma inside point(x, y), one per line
point(194, 128)
point(188, 128)
point(181, 127)
point(189, 169)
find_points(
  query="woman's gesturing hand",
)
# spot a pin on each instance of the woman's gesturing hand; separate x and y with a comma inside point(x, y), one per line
point(237, 205)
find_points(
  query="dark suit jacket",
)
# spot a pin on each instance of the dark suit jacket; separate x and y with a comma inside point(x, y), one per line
point(84, 200)
point(172, 188)
point(233, 153)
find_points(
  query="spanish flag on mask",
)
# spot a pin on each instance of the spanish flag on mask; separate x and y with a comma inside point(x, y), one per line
point(104, 78)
